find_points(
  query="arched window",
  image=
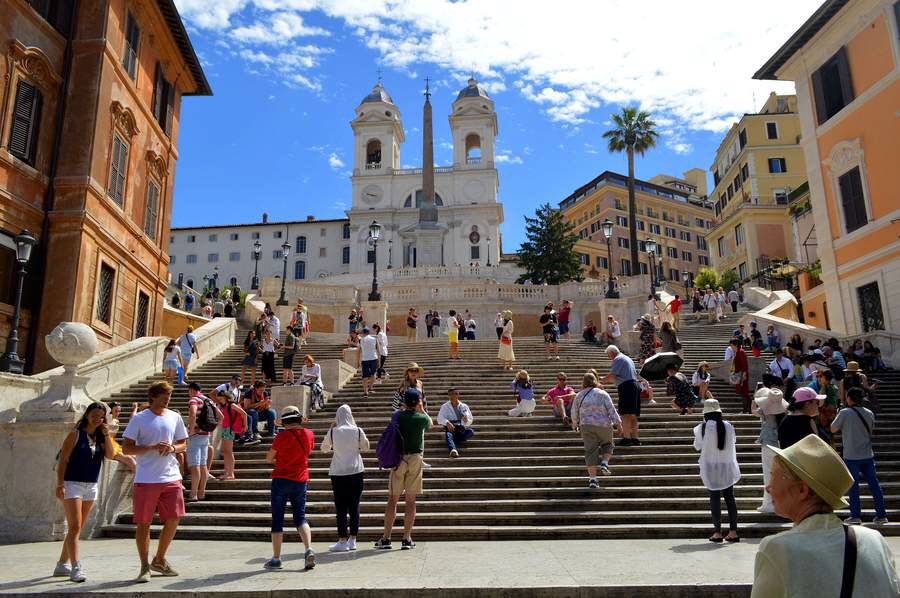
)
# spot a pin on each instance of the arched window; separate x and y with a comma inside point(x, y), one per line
point(408, 203)
point(473, 149)
point(233, 281)
point(300, 245)
point(299, 270)
point(190, 282)
point(373, 154)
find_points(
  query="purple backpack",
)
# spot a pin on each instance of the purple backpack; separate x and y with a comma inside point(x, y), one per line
point(390, 446)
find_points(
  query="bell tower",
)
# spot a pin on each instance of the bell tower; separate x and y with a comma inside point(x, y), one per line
point(377, 134)
point(473, 124)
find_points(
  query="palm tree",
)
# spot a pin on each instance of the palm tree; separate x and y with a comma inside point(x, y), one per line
point(633, 132)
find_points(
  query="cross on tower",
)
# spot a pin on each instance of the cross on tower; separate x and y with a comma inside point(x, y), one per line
point(379, 76)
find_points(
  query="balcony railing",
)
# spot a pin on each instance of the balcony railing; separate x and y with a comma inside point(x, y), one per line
point(473, 160)
point(413, 171)
point(373, 165)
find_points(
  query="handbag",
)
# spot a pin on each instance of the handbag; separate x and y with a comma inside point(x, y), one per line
point(505, 340)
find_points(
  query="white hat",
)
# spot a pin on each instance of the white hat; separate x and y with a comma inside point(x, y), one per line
point(711, 406)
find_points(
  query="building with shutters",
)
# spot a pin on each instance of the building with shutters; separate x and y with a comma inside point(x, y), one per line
point(757, 166)
point(845, 63)
point(90, 95)
point(672, 211)
point(316, 249)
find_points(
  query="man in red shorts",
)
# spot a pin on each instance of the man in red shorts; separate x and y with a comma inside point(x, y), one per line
point(154, 436)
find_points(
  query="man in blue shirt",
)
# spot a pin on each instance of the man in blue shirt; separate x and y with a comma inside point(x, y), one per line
point(624, 374)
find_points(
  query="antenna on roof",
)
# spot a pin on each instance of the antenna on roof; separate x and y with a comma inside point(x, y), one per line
point(379, 76)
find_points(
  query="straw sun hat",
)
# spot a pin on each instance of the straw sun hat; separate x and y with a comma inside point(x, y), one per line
point(770, 401)
point(816, 463)
point(416, 367)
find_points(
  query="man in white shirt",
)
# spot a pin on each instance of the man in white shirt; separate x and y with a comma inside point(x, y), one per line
point(187, 342)
point(275, 324)
point(612, 332)
point(232, 389)
point(382, 344)
point(153, 437)
point(456, 417)
point(781, 373)
point(368, 346)
point(712, 306)
point(733, 299)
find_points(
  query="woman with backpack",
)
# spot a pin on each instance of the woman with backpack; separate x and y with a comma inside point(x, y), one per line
point(203, 419)
point(234, 424)
point(719, 470)
point(77, 472)
point(347, 441)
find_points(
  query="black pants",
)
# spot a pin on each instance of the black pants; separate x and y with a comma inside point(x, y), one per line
point(499, 333)
point(347, 491)
point(380, 371)
point(430, 331)
point(268, 365)
point(734, 306)
point(715, 506)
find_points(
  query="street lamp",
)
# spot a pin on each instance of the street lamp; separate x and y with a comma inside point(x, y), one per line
point(215, 278)
point(257, 250)
point(10, 362)
point(285, 250)
point(650, 245)
point(390, 253)
point(374, 234)
point(489, 251)
point(686, 279)
point(611, 292)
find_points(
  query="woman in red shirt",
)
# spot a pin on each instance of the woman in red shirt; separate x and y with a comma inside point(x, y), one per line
point(290, 456)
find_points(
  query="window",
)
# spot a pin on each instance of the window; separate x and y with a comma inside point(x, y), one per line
point(323, 252)
point(771, 130)
point(213, 238)
point(739, 235)
point(672, 252)
point(674, 274)
point(475, 252)
point(345, 255)
point(190, 282)
point(622, 242)
point(370, 256)
point(254, 236)
point(105, 288)
point(129, 55)
point(687, 256)
point(299, 270)
point(832, 86)
point(277, 234)
point(233, 237)
point(716, 177)
point(777, 165)
point(602, 262)
point(409, 199)
point(781, 197)
point(163, 102)
point(300, 244)
point(171, 259)
point(192, 238)
point(191, 258)
point(671, 232)
point(171, 239)
point(640, 225)
point(685, 236)
point(870, 310)
point(737, 181)
point(654, 228)
point(26, 120)
point(703, 260)
point(583, 233)
point(853, 202)
point(117, 170)
point(730, 193)
point(323, 232)
point(699, 222)
point(743, 272)
point(277, 254)
point(212, 258)
point(745, 172)
point(595, 227)
point(151, 209)
point(742, 138)
point(642, 246)
point(701, 244)
point(621, 221)
point(234, 256)
point(143, 314)
point(346, 231)
point(625, 267)
point(721, 246)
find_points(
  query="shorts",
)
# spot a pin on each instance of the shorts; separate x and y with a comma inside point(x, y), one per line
point(167, 498)
point(228, 434)
point(283, 491)
point(566, 406)
point(249, 360)
point(186, 358)
point(629, 398)
point(369, 367)
point(287, 361)
point(563, 327)
point(406, 478)
point(598, 440)
point(645, 393)
point(86, 491)
point(170, 364)
point(552, 338)
point(197, 450)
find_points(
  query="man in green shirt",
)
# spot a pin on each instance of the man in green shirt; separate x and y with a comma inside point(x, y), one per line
point(406, 478)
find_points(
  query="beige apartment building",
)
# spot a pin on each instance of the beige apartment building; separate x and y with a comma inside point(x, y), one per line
point(758, 165)
point(672, 211)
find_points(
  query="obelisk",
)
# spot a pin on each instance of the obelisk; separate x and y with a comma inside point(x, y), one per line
point(429, 235)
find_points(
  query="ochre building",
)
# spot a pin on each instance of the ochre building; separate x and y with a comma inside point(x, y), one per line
point(90, 96)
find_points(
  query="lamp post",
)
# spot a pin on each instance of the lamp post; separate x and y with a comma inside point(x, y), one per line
point(257, 250)
point(651, 250)
point(11, 362)
point(489, 251)
point(285, 250)
point(215, 277)
point(611, 292)
point(390, 253)
point(374, 234)
point(686, 279)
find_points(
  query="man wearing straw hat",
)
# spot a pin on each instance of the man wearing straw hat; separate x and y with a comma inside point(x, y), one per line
point(808, 482)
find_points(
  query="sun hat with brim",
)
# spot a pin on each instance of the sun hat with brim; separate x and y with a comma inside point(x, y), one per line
point(646, 317)
point(711, 406)
point(816, 463)
point(290, 413)
point(415, 366)
point(805, 393)
point(852, 367)
point(507, 314)
point(770, 401)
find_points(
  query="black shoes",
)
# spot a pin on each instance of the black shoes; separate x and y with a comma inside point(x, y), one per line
point(407, 544)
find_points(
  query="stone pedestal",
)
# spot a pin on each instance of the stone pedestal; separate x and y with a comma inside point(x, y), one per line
point(287, 396)
point(374, 312)
point(429, 246)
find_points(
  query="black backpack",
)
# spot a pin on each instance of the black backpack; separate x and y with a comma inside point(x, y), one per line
point(207, 416)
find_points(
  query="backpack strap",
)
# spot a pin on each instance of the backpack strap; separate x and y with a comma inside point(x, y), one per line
point(850, 551)
point(862, 419)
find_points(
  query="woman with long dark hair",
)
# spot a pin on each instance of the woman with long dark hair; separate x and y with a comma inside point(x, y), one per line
point(251, 350)
point(719, 469)
point(77, 473)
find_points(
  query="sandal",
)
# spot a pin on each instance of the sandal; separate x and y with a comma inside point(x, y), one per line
point(717, 540)
point(732, 539)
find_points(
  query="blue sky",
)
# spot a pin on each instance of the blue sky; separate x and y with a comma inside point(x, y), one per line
point(287, 75)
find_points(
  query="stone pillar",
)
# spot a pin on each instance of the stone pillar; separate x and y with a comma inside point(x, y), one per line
point(375, 312)
point(30, 511)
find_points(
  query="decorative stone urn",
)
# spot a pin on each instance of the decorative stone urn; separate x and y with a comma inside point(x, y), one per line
point(71, 344)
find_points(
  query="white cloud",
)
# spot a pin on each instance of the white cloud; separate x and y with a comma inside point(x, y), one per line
point(334, 162)
point(209, 15)
point(279, 28)
point(680, 148)
point(507, 157)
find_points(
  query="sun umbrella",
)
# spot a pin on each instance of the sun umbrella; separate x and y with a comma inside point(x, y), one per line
point(655, 367)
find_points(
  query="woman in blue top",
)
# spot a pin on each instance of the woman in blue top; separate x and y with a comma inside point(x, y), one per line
point(77, 473)
point(523, 389)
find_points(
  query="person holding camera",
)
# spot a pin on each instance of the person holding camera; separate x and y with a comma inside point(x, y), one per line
point(457, 418)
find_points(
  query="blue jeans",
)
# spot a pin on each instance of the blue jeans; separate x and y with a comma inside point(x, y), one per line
point(866, 467)
point(266, 415)
point(459, 434)
point(282, 492)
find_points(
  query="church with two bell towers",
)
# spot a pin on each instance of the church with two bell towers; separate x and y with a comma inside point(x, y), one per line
point(430, 216)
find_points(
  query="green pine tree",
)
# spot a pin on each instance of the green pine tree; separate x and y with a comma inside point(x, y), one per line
point(548, 254)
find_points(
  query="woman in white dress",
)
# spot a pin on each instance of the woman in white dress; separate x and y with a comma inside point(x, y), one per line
point(719, 470)
point(505, 351)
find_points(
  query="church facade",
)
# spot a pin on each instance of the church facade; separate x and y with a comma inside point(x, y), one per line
point(466, 230)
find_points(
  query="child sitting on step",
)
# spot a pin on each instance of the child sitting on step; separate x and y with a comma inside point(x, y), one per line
point(523, 390)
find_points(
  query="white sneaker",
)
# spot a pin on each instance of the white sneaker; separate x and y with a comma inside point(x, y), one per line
point(341, 546)
point(426, 465)
point(454, 453)
point(351, 544)
point(766, 508)
point(62, 569)
point(77, 573)
point(557, 358)
point(651, 402)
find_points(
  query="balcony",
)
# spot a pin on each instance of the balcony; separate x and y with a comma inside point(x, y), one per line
point(414, 171)
point(473, 160)
point(373, 165)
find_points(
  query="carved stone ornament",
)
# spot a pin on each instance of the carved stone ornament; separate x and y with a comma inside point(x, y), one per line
point(123, 118)
point(844, 155)
point(71, 343)
point(35, 64)
point(157, 166)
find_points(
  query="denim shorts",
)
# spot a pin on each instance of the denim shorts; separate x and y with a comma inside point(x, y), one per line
point(197, 450)
point(86, 491)
point(369, 368)
point(282, 491)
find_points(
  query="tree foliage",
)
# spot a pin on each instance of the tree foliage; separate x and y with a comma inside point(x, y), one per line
point(707, 277)
point(728, 279)
point(548, 253)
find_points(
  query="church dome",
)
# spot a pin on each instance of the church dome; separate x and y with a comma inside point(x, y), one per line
point(378, 94)
point(472, 90)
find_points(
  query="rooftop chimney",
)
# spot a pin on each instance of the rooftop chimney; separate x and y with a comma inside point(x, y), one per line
point(265, 218)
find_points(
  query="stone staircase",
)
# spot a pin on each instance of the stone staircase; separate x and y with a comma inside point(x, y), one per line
point(518, 477)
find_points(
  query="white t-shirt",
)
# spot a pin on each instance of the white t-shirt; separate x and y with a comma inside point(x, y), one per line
point(452, 323)
point(369, 348)
point(382, 343)
point(187, 341)
point(315, 371)
point(227, 388)
point(275, 325)
point(146, 429)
